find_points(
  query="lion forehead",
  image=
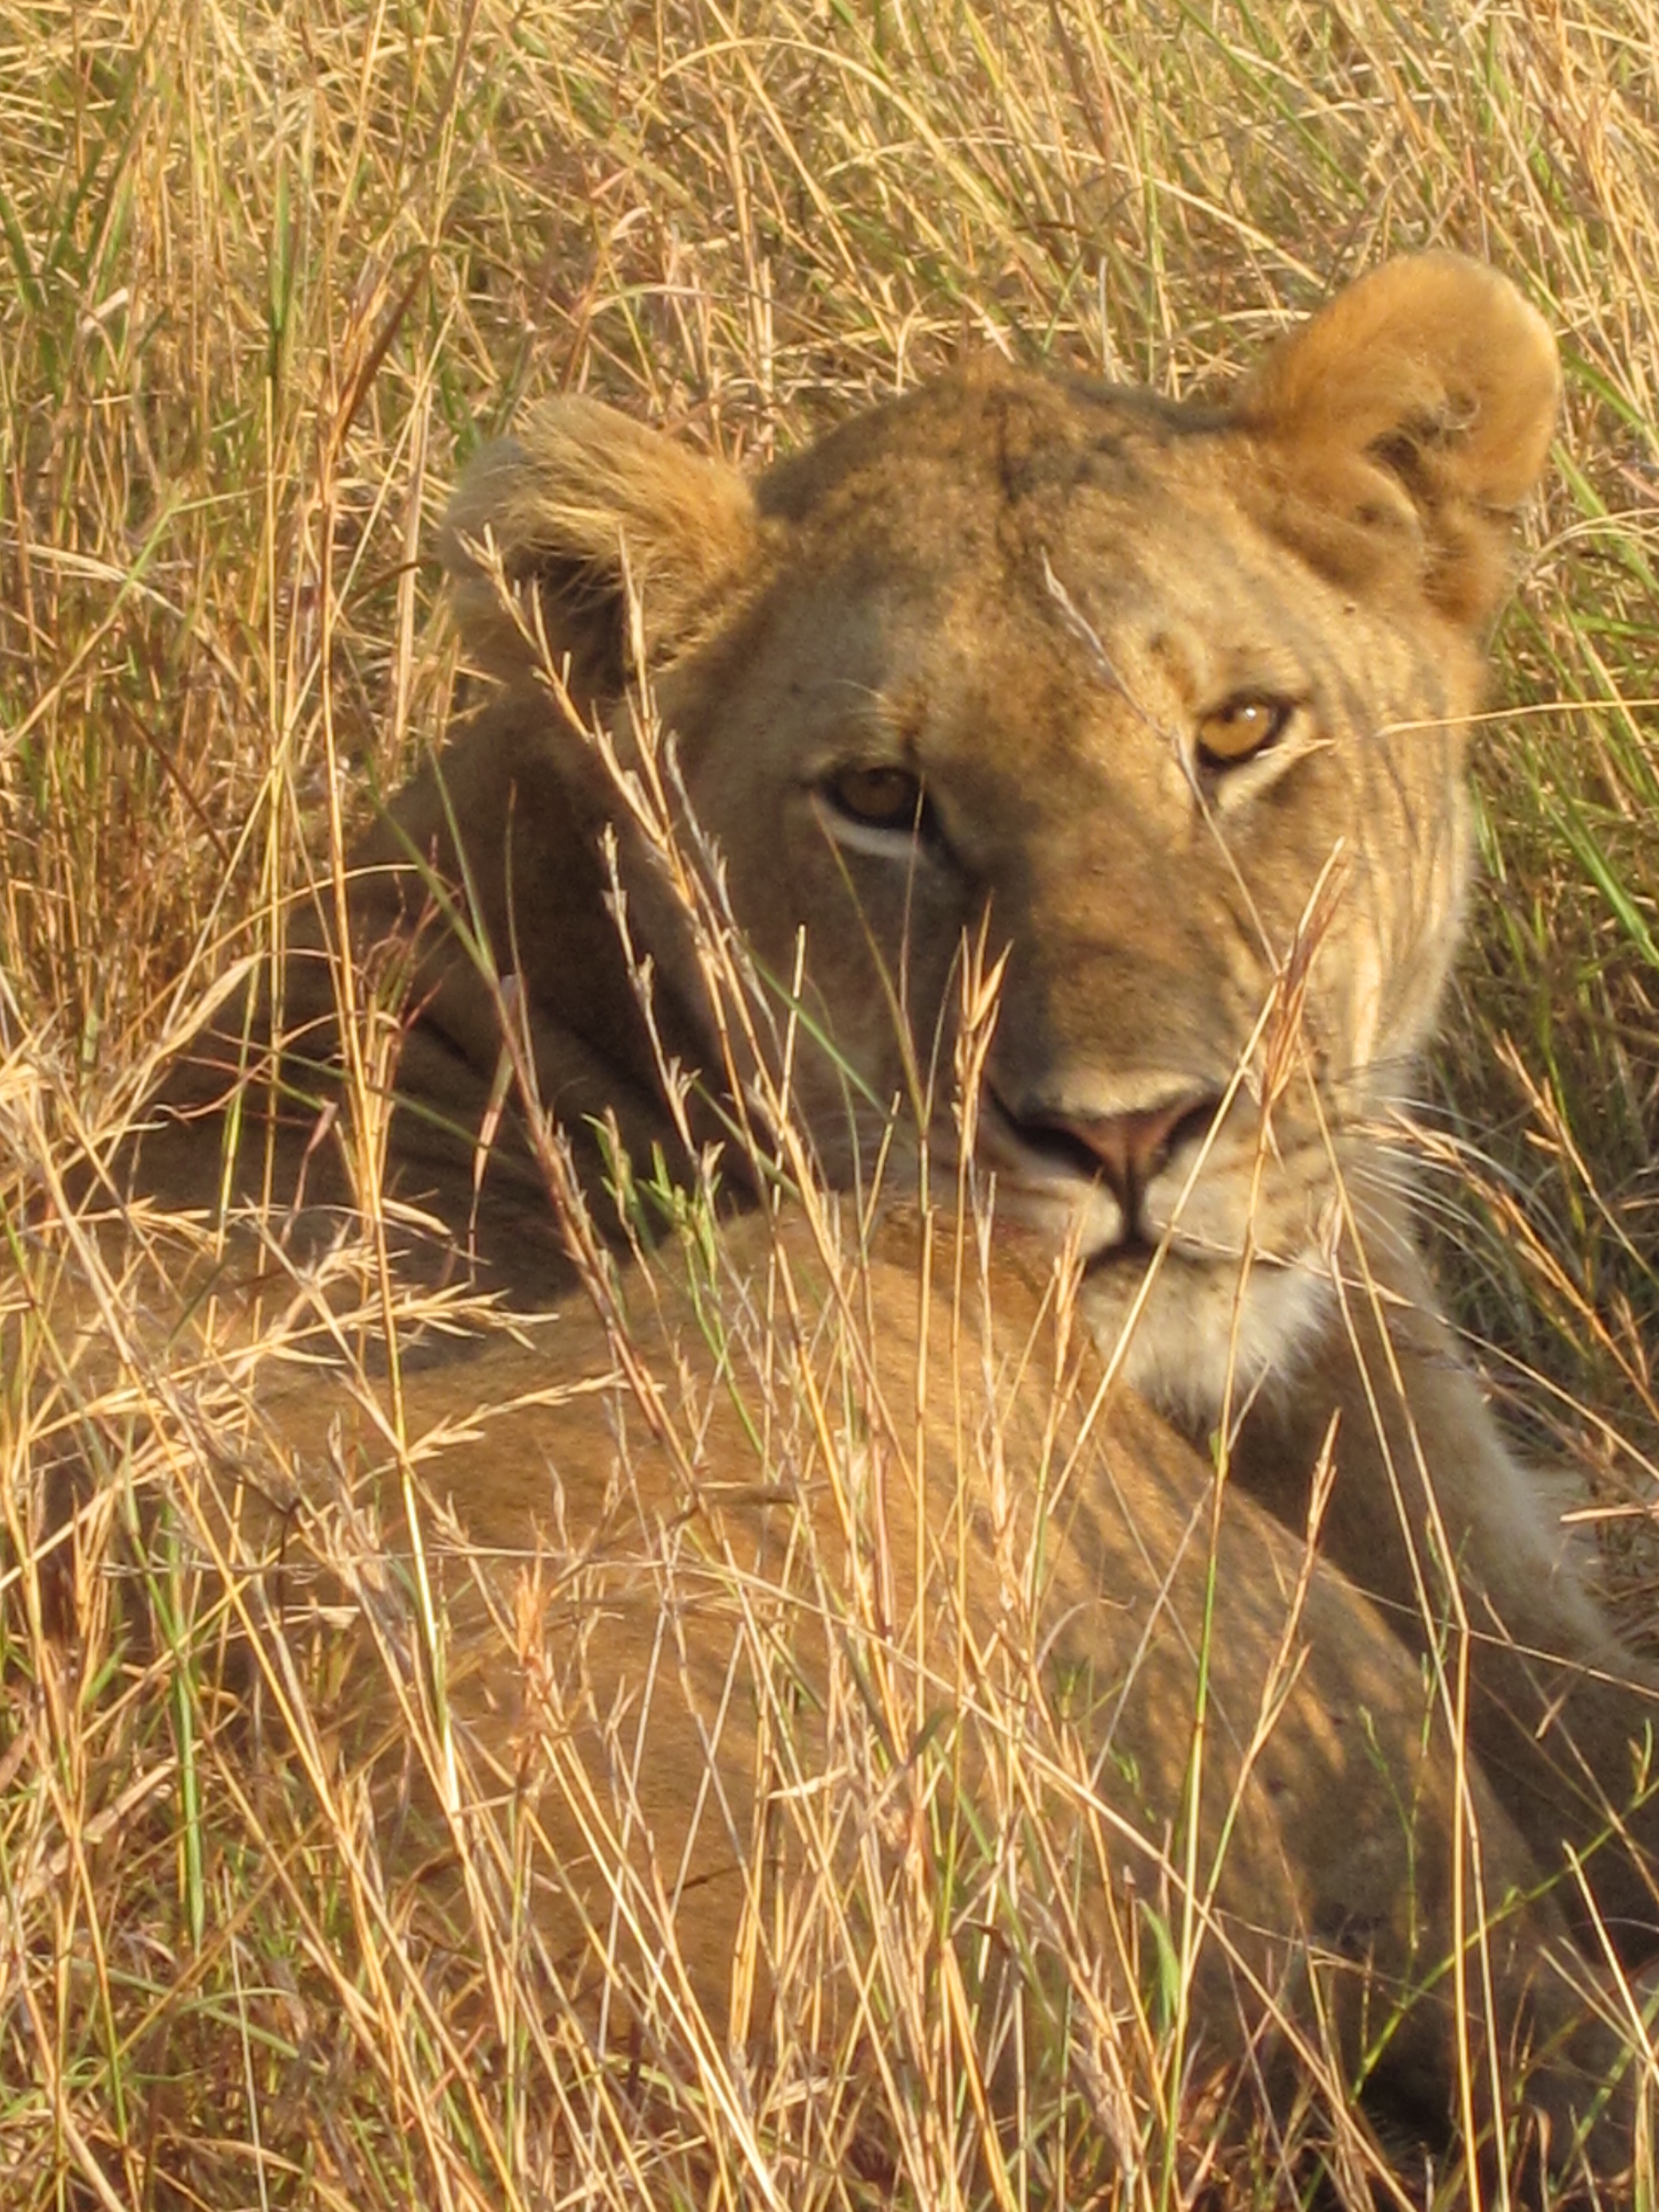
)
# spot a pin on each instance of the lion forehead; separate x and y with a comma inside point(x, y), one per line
point(1008, 573)
point(998, 523)
point(1011, 436)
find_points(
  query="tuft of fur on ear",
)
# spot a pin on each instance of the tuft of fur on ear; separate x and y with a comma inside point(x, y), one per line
point(582, 503)
point(1416, 409)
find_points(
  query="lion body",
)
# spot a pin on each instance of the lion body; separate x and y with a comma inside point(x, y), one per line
point(880, 1598)
point(1165, 710)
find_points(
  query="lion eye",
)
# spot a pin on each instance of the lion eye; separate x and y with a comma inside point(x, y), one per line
point(1242, 728)
point(879, 798)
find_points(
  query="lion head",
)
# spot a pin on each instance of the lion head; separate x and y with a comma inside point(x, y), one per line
point(1163, 704)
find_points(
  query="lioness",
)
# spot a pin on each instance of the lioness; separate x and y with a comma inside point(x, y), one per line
point(1161, 709)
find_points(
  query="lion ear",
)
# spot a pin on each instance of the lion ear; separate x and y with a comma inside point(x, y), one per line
point(1412, 416)
point(580, 505)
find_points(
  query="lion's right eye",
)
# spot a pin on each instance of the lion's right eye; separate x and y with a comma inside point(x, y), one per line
point(879, 798)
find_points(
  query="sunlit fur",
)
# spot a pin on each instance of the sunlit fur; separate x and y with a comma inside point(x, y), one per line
point(1030, 592)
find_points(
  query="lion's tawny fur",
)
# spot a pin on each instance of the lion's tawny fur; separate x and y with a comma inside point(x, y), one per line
point(1046, 605)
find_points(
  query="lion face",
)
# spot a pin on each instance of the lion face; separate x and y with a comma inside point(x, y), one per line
point(1124, 737)
point(1163, 708)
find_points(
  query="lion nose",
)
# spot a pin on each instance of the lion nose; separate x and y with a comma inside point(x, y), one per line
point(1126, 1150)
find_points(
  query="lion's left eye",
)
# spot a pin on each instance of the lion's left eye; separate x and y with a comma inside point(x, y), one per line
point(879, 798)
point(1241, 728)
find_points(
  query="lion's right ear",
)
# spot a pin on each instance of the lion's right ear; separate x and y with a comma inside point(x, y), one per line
point(581, 505)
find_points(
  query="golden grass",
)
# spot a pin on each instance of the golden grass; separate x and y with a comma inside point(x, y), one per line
point(266, 277)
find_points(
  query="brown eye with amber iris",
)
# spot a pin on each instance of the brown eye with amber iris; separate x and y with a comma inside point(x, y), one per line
point(1241, 729)
point(878, 797)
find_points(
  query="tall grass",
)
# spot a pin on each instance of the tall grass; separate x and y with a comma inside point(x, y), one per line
point(267, 277)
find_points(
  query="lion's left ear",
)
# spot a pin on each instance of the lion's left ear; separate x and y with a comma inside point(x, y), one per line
point(582, 503)
point(1411, 415)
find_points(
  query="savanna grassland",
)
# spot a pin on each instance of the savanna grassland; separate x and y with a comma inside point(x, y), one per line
point(268, 276)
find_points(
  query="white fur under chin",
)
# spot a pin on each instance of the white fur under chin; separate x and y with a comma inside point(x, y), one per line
point(1196, 1345)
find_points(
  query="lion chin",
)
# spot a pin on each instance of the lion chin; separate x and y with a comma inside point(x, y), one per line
point(1155, 716)
point(1201, 1341)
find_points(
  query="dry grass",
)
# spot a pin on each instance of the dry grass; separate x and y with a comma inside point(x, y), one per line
point(268, 276)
